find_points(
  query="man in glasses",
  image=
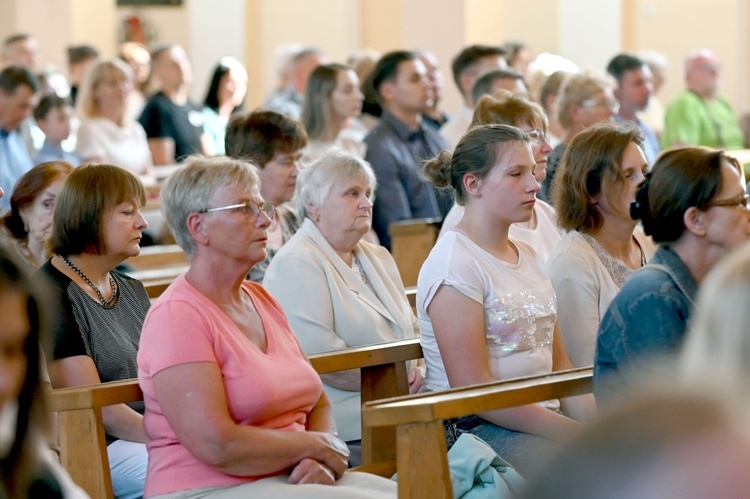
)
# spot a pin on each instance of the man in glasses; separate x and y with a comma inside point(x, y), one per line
point(699, 115)
point(634, 89)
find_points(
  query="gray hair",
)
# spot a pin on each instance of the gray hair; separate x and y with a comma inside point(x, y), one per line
point(314, 183)
point(193, 188)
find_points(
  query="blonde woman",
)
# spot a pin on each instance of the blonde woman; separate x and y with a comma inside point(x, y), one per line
point(584, 100)
point(108, 133)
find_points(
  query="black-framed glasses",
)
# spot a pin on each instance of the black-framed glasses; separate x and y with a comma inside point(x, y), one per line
point(251, 209)
point(537, 135)
point(739, 201)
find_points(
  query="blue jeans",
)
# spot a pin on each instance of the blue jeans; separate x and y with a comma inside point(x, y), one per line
point(525, 452)
point(127, 464)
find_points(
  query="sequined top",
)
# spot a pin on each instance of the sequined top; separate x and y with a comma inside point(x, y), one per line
point(519, 304)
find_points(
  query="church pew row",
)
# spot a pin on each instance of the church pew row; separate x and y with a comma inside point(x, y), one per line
point(82, 439)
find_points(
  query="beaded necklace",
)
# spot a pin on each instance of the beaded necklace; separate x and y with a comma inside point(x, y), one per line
point(112, 282)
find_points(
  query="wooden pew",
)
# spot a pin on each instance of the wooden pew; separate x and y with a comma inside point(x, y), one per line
point(411, 242)
point(83, 443)
point(158, 266)
point(158, 256)
point(422, 462)
point(411, 295)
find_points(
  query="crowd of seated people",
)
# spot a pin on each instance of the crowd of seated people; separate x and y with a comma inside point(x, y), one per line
point(548, 258)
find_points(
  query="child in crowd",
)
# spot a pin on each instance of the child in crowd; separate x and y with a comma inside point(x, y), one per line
point(53, 116)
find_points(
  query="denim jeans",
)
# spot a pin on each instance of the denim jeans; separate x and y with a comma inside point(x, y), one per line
point(523, 451)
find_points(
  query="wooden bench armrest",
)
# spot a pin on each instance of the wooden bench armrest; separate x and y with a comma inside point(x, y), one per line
point(91, 396)
point(457, 402)
point(120, 392)
point(384, 375)
point(367, 356)
point(422, 461)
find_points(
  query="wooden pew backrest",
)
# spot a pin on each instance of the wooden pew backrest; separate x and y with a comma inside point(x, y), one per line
point(411, 243)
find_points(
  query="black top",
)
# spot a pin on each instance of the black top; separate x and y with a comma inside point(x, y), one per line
point(109, 335)
point(162, 118)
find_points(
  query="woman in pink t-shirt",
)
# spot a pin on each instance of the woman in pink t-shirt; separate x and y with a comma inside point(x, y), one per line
point(233, 407)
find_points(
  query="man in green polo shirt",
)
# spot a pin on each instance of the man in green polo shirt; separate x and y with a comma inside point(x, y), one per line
point(699, 115)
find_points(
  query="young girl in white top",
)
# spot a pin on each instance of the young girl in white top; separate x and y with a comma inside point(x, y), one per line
point(486, 309)
point(506, 108)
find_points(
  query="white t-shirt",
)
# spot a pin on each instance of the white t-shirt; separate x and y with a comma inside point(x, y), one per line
point(541, 232)
point(519, 306)
point(124, 146)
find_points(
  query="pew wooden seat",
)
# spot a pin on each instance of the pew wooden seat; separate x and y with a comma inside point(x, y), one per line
point(411, 243)
point(421, 454)
point(83, 448)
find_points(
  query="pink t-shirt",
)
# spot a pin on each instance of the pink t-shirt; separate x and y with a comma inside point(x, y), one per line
point(276, 389)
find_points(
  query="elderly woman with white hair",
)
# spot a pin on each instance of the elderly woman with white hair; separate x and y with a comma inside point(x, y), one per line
point(338, 290)
point(233, 407)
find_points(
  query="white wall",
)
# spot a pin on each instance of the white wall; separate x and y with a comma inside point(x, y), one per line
point(589, 31)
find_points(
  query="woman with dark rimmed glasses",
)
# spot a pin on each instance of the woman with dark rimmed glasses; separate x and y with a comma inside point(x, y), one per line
point(694, 206)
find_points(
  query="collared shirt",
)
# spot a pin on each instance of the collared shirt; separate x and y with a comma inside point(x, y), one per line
point(648, 317)
point(285, 101)
point(14, 162)
point(651, 145)
point(396, 152)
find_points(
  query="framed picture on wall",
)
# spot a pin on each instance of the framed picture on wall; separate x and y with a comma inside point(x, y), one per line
point(146, 3)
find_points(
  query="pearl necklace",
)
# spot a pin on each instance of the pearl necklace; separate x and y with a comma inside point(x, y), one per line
point(112, 282)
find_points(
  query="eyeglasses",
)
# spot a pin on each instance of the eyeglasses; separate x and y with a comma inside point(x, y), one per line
point(611, 104)
point(251, 209)
point(537, 136)
point(740, 201)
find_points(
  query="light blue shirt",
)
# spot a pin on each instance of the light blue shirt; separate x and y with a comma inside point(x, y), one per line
point(48, 152)
point(651, 147)
point(14, 162)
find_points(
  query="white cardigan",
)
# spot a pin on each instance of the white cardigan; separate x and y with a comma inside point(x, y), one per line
point(330, 308)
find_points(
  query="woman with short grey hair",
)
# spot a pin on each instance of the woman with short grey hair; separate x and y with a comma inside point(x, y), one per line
point(346, 292)
point(233, 407)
